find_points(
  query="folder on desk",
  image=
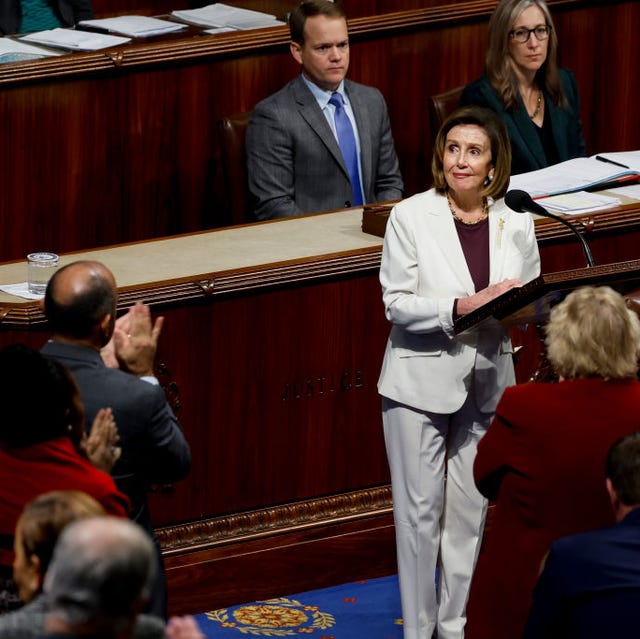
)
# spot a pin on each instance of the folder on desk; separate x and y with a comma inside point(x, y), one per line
point(134, 26)
point(579, 174)
point(71, 39)
point(14, 51)
point(222, 15)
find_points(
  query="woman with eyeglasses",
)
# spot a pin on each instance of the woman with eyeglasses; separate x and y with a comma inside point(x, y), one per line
point(522, 83)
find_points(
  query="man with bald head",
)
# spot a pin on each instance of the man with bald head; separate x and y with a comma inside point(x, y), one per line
point(98, 579)
point(80, 305)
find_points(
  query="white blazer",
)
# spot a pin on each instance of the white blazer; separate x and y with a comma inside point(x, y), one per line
point(423, 271)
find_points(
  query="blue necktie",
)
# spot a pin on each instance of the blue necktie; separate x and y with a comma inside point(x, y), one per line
point(347, 144)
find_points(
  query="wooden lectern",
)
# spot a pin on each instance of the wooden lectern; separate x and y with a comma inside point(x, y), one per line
point(532, 303)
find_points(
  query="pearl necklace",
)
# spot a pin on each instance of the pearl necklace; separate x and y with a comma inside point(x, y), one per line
point(483, 215)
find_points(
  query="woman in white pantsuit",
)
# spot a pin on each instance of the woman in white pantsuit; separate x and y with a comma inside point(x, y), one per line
point(447, 252)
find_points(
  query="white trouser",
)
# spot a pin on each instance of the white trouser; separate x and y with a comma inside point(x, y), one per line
point(433, 521)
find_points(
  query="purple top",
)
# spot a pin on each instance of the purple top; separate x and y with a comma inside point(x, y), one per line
point(474, 239)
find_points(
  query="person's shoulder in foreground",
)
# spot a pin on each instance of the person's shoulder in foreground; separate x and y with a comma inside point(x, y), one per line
point(590, 585)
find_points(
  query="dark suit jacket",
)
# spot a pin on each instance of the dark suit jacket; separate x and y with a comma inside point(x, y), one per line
point(28, 623)
point(154, 449)
point(590, 586)
point(69, 13)
point(294, 162)
point(542, 460)
point(527, 151)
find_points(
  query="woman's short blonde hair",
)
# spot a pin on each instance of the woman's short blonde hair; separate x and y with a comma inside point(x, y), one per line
point(496, 131)
point(592, 333)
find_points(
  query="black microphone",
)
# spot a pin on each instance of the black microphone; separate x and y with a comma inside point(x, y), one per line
point(521, 202)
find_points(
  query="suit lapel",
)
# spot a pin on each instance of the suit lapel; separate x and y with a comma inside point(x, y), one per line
point(558, 127)
point(527, 130)
point(312, 114)
point(498, 222)
point(446, 237)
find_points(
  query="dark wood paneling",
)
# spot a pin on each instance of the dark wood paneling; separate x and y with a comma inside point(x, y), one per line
point(121, 146)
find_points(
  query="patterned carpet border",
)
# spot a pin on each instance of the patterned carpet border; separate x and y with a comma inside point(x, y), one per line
point(356, 610)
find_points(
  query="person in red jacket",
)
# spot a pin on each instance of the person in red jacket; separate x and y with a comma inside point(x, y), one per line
point(43, 447)
point(543, 457)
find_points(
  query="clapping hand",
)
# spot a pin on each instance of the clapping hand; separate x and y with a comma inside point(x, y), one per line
point(100, 444)
point(134, 342)
point(183, 628)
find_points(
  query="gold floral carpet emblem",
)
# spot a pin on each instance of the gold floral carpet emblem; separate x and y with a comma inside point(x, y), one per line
point(273, 618)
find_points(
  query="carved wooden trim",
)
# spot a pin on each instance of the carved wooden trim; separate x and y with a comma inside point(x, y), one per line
point(259, 41)
point(31, 317)
point(278, 520)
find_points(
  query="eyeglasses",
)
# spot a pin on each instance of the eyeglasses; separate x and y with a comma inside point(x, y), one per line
point(522, 35)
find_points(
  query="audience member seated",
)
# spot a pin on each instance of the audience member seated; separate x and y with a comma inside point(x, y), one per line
point(321, 142)
point(25, 16)
point(523, 84)
point(80, 304)
point(41, 446)
point(590, 585)
point(543, 456)
point(37, 531)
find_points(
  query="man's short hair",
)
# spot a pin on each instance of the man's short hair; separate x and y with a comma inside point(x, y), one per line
point(310, 9)
point(623, 468)
point(100, 574)
point(78, 317)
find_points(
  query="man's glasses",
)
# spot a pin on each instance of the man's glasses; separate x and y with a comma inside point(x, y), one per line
point(522, 35)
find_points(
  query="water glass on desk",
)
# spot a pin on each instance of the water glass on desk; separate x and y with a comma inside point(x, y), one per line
point(40, 267)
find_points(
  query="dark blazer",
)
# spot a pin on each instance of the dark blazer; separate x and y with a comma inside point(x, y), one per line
point(69, 12)
point(590, 586)
point(28, 623)
point(154, 449)
point(527, 151)
point(542, 461)
point(294, 162)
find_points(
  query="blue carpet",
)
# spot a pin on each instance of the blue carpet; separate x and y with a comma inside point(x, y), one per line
point(357, 610)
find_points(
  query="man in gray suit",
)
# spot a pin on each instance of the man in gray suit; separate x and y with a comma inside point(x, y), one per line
point(297, 159)
point(80, 305)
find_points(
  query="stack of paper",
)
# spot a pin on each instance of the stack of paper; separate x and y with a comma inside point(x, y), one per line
point(14, 51)
point(579, 174)
point(76, 40)
point(227, 17)
point(134, 26)
point(578, 202)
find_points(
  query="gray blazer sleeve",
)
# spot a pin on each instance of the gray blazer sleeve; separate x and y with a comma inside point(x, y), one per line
point(270, 163)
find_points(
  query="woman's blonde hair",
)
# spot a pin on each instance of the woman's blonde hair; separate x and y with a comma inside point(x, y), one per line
point(592, 333)
point(498, 61)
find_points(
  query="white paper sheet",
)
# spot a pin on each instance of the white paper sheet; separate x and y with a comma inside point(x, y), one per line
point(78, 40)
point(134, 26)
